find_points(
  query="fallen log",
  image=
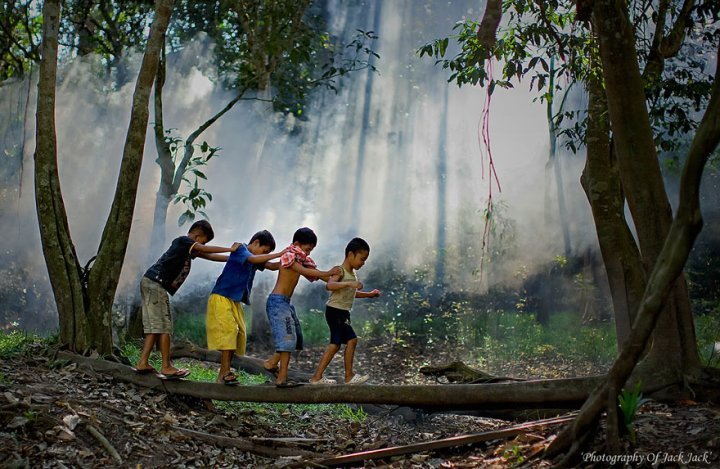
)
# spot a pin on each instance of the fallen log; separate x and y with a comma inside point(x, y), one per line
point(567, 393)
point(459, 372)
point(439, 444)
point(247, 364)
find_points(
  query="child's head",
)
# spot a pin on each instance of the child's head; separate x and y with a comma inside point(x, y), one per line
point(201, 231)
point(262, 242)
point(357, 252)
point(305, 239)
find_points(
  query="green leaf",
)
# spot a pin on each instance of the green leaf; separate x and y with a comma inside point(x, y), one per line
point(187, 216)
point(199, 173)
point(442, 46)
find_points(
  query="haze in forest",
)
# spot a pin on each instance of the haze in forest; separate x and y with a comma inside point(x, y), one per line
point(395, 157)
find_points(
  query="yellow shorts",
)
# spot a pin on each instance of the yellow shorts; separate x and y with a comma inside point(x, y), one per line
point(225, 324)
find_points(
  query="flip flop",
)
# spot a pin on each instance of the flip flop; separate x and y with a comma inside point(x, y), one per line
point(230, 382)
point(288, 384)
point(144, 371)
point(180, 374)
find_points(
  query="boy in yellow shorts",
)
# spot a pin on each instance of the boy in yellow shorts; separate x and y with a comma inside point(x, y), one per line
point(225, 319)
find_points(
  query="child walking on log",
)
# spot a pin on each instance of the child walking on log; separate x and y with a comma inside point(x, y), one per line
point(284, 323)
point(344, 287)
point(162, 280)
point(225, 318)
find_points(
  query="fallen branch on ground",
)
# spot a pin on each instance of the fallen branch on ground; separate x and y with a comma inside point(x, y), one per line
point(245, 445)
point(441, 444)
point(106, 444)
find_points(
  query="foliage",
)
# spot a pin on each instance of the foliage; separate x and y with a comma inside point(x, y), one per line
point(16, 343)
point(20, 31)
point(707, 331)
point(196, 198)
point(629, 402)
point(537, 32)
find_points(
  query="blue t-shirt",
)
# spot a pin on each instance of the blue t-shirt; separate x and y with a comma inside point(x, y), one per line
point(236, 280)
point(173, 267)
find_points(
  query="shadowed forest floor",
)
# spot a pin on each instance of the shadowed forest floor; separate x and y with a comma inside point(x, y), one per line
point(49, 411)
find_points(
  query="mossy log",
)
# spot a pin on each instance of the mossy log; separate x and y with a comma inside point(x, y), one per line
point(459, 372)
point(566, 393)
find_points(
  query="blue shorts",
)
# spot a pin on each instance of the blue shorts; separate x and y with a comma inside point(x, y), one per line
point(284, 325)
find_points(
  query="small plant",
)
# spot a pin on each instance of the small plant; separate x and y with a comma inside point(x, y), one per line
point(353, 415)
point(629, 402)
point(15, 343)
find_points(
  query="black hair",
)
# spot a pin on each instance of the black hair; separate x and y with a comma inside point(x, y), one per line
point(305, 236)
point(265, 238)
point(356, 245)
point(204, 227)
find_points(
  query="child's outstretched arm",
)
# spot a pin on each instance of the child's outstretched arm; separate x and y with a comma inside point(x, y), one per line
point(314, 273)
point(211, 253)
point(334, 283)
point(367, 294)
point(264, 258)
point(272, 266)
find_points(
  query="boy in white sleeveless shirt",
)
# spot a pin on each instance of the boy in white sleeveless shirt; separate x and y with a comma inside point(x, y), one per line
point(345, 287)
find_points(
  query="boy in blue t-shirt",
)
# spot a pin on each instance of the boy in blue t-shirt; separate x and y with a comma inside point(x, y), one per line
point(225, 319)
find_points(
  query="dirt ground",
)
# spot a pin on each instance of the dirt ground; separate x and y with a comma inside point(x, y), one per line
point(55, 414)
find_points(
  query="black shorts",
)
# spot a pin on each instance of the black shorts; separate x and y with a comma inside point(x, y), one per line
point(340, 329)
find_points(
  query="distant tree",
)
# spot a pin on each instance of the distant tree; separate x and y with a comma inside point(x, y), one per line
point(84, 294)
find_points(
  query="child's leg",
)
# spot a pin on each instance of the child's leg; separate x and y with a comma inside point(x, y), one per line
point(327, 357)
point(225, 362)
point(143, 363)
point(167, 368)
point(284, 364)
point(271, 364)
point(348, 357)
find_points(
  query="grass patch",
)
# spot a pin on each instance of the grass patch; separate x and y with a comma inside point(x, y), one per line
point(190, 327)
point(16, 343)
point(707, 333)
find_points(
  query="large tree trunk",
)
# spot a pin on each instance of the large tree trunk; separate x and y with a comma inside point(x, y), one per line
point(662, 282)
point(673, 350)
point(104, 275)
point(84, 301)
point(64, 269)
point(601, 182)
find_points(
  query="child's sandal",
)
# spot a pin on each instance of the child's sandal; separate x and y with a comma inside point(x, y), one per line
point(230, 379)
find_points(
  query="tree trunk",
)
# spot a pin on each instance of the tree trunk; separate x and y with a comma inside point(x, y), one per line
point(164, 160)
point(64, 269)
point(104, 275)
point(601, 182)
point(673, 350)
point(662, 282)
point(555, 162)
